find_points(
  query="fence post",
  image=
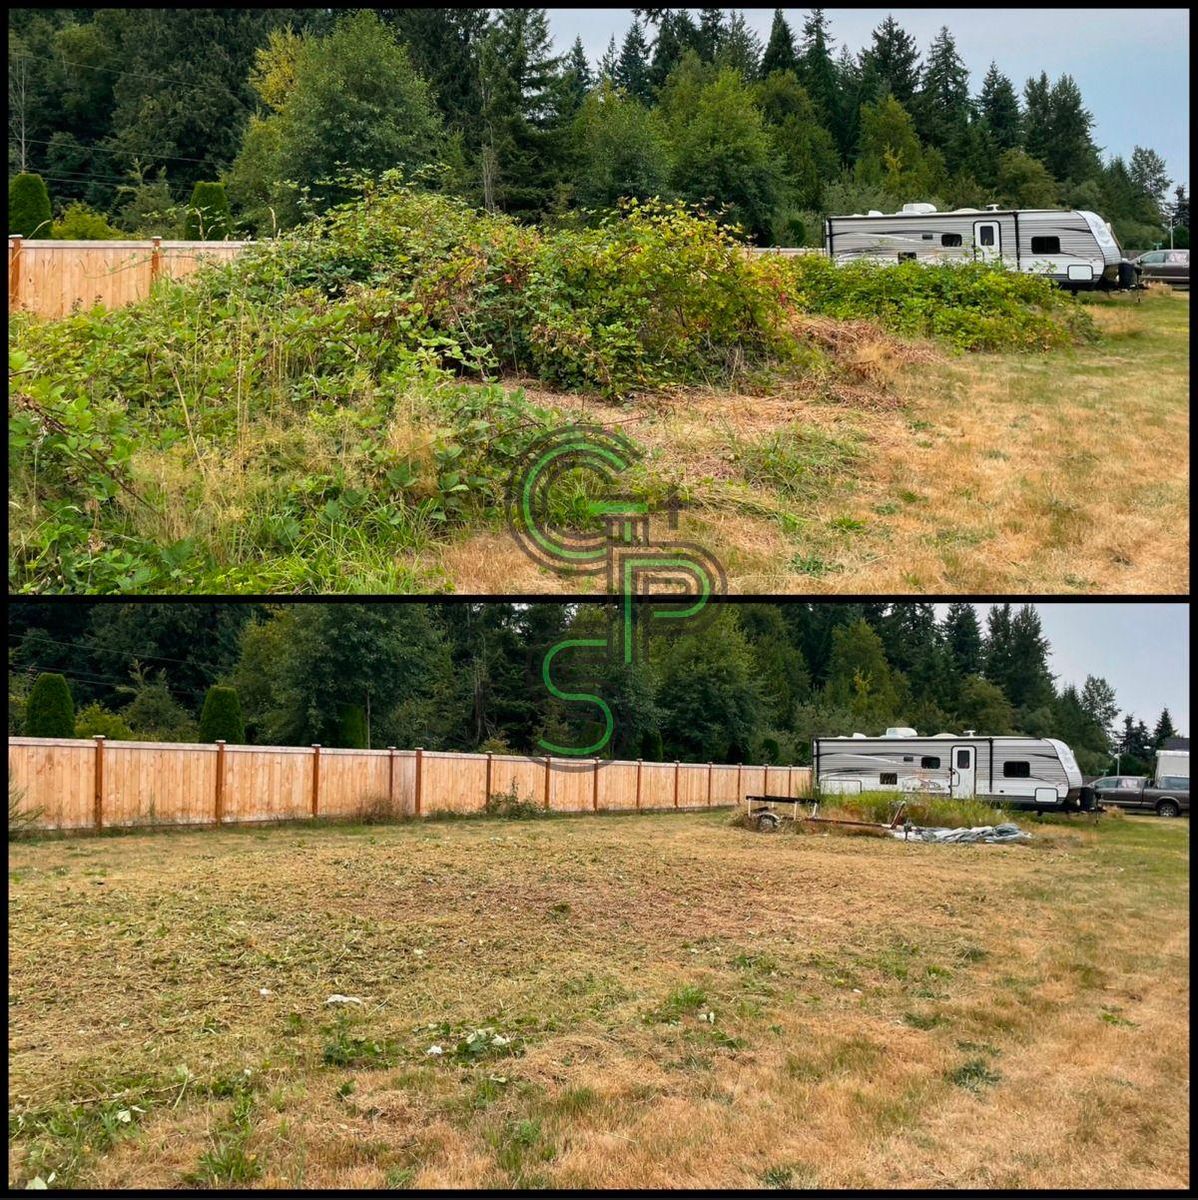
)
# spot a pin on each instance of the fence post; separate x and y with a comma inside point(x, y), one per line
point(220, 780)
point(419, 773)
point(677, 768)
point(548, 777)
point(739, 797)
point(391, 780)
point(595, 789)
point(98, 800)
point(487, 795)
point(710, 768)
point(315, 778)
point(14, 272)
point(639, 764)
point(790, 781)
point(155, 260)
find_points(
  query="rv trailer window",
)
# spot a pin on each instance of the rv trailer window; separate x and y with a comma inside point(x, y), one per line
point(950, 239)
point(905, 255)
point(1016, 770)
point(929, 763)
point(908, 758)
point(927, 237)
point(1046, 245)
point(963, 758)
point(986, 235)
point(888, 777)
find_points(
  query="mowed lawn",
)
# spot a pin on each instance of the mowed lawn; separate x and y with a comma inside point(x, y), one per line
point(621, 1001)
point(1059, 472)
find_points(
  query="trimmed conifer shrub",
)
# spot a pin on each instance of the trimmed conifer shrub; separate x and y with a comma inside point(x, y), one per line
point(351, 729)
point(50, 710)
point(29, 211)
point(208, 218)
point(221, 718)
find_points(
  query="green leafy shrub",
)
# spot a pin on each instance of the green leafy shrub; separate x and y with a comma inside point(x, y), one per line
point(511, 804)
point(208, 218)
point(29, 206)
point(50, 710)
point(96, 719)
point(81, 223)
point(221, 718)
point(975, 306)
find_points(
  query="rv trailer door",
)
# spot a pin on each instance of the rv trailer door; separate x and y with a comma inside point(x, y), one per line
point(987, 241)
point(963, 776)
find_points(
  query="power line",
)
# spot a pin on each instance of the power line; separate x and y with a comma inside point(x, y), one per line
point(98, 149)
point(187, 662)
point(177, 84)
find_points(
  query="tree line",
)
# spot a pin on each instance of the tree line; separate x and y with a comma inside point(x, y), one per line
point(123, 112)
point(755, 684)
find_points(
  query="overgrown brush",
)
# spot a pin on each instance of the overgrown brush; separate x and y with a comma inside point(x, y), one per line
point(312, 415)
point(22, 822)
point(973, 306)
point(921, 809)
point(512, 805)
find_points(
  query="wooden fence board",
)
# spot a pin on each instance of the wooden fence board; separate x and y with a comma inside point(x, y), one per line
point(156, 783)
point(52, 278)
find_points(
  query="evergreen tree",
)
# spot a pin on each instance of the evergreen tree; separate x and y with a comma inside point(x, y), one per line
point(676, 34)
point(220, 719)
point(521, 155)
point(1029, 681)
point(352, 733)
point(780, 49)
point(943, 106)
point(208, 217)
point(890, 64)
point(1025, 182)
point(984, 707)
point(608, 61)
point(1070, 153)
point(963, 637)
point(1150, 178)
point(1097, 700)
point(805, 150)
point(577, 80)
point(817, 73)
point(710, 37)
point(1037, 117)
point(29, 206)
point(998, 106)
point(49, 709)
point(632, 67)
point(1163, 730)
point(740, 48)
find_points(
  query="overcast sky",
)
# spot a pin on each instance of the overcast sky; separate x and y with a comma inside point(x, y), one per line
point(1141, 650)
point(1132, 65)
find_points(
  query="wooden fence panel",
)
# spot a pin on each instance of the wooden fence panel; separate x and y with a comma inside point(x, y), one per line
point(405, 783)
point(724, 787)
point(159, 783)
point(657, 785)
point(56, 775)
point(617, 786)
point(454, 783)
point(354, 783)
point(268, 783)
point(525, 775)
point(52, 278)
point(692, 785)
point(572, 787)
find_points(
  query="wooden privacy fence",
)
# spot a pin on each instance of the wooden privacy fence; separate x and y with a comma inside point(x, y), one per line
point(51, 278)
point(81, 784)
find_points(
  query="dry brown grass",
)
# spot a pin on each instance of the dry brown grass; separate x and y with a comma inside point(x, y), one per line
point(1013, 473)
point(884, 1014)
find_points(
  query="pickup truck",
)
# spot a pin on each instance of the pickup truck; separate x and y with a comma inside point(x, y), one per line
point(1167, 796)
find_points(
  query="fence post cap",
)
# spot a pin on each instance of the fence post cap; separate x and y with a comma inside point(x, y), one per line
point(315, 745)
point(220, 741)
point(100, 737)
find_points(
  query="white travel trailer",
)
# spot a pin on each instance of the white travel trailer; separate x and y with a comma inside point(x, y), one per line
point(1076, 248)
point(1015, 772)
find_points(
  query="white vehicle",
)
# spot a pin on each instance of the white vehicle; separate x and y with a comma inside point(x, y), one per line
point(1171, 764)
point(1076, 248)
point(1015, 772)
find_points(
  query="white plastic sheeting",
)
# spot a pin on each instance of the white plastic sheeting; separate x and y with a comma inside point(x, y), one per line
point(978, 833)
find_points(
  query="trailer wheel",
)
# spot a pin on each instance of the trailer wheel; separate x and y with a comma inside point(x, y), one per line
point(1168, 808)
point(768, 822)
